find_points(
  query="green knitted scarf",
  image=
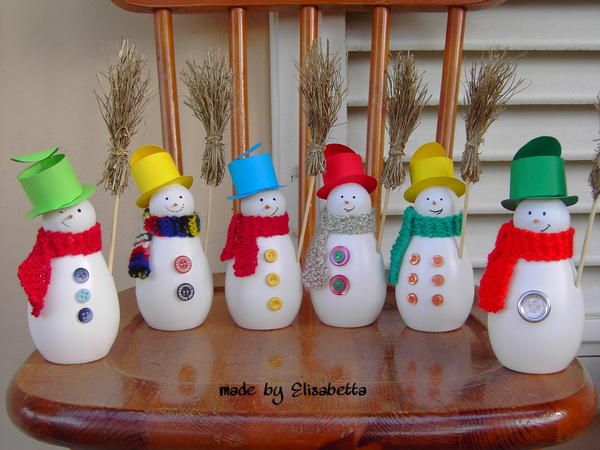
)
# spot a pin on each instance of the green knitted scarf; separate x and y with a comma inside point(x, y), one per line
point(414, 224)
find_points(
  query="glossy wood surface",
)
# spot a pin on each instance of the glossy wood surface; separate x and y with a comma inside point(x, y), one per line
point(160, 390)
point(309, 32)
point(451, 73)
point(167, 84)
point(186, 6)
point(238, 59)
point(380, 43)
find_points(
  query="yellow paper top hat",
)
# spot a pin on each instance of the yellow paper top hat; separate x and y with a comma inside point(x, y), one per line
point(152, 168)
point(430, 166)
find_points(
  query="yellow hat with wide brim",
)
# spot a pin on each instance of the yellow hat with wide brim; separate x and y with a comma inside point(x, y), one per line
point(430, 166)
point(152, 168)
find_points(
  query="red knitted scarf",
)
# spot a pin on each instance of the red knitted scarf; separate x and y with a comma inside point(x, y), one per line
point(35, 272)
point(241, 240)
point(513, 244)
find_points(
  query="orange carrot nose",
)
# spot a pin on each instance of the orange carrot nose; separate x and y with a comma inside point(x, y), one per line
point(346, 202)
point(175, 205)
point(70, 216)
point(434, 203)
point(536, 221)
point(267, 206)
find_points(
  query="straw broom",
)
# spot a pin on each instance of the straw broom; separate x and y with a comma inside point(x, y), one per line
point(124, 94)
point(405, 98)
point(490, 85)
point(210, 94)
point(322, 88)
point(594, 180)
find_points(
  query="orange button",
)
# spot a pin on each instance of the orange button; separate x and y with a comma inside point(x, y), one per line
point(414, 259)
point(273, 279)
point(412, 298)
point(275, 304)
point(437, 280)
point(413, 278)
point(437, 299)
point(270, 255)
point(438, 261)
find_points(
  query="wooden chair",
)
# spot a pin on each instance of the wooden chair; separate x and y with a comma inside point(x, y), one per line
point(162, 390)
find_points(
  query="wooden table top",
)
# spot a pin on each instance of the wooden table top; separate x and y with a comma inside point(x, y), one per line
point(161, 390)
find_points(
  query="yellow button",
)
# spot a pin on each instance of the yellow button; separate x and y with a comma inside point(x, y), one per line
point(273, 279)
point(271, 255)
point(275, 304)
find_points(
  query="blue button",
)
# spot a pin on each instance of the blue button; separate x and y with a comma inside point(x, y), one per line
point(81, 275)
point(185, 291)
point(85, 315)
point(83, 295)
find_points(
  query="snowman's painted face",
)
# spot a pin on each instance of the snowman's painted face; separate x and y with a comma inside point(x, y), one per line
point(172, 200)
point(264, 204)
point(349, 199)
point(542, 216)
point(74, 219)
point(436, 201)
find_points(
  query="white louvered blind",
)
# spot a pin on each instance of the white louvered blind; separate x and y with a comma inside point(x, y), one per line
point(562, 61)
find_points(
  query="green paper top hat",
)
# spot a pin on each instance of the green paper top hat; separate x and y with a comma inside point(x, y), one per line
point(537, 171)
point(50, 182)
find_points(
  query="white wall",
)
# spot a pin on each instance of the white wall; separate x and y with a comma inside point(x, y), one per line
point(50, 52)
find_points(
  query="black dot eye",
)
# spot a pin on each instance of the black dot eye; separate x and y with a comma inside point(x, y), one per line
point(274, 199)
point(441, 199)
point(544, 213)
point(354, 196)
point(427, 198)
point(79, 210)
point(261, 199)
point(167, 198)
point(529, 212)
point(61, 212)
point(342, 196)
point(181, 196)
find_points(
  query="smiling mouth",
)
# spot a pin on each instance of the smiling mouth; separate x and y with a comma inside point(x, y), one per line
point(276, 210)
point(175, 210)
point(545, 228)
point(437, 212)
point(68, 226)
point(351, 209)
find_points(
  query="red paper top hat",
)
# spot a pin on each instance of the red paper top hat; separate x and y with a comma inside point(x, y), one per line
point(343, 165)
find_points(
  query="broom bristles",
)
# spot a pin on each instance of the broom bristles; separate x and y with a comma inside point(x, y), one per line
point(489, 86)
point(123, 97)
point(210, 96)
point(322, 88)
point(594, 177)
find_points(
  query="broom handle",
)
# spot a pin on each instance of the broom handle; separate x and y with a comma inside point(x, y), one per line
point(586, 241)
point(208, 214)
point(386, 200)
point(311, 188)
point(113, 234)
point(463, 229)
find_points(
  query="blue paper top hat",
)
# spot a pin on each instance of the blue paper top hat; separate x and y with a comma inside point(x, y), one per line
point(252, 174)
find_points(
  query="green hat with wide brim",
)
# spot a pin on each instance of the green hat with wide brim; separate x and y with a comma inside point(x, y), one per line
point(50, 182)
point(537, 172)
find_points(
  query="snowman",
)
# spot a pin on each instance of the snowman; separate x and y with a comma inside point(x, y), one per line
point(434, 287)
point(536, 315)
point(174, 286)
point(74, 308)
point(343, 269)
point(263, 288)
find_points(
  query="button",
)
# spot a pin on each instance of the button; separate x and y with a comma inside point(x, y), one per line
point(185, 291)
point(438, 280)
point(83, 295)
point(339, 284)
point(275, 304)
point(412, 298)
point(273, 279)
point(85, 315)
point(437, 261)
point(339, 255)
point(437, 299)
point(81, 275)
point(270, 255)
point(413, 278)
point(183, 264)
point(533, 306)
point(414, 259)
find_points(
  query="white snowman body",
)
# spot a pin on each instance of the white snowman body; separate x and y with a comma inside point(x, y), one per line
point(177, 295)
point(270, 298)
point(542, 332)
point(355, 292)
point(435, 287)
point(80, 318)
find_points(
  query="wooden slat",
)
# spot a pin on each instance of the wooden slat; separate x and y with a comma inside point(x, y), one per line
point(455, 32)
point(380, 39)
point(167, 83)
point(309, 30)
point(239, 65)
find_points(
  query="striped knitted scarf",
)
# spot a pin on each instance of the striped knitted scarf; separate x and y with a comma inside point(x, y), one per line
point(169, 226)
point(316, 270)
point(415, 224)
point(513, 244)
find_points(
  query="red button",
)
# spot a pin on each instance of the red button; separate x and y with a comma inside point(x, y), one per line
point(183, 264)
